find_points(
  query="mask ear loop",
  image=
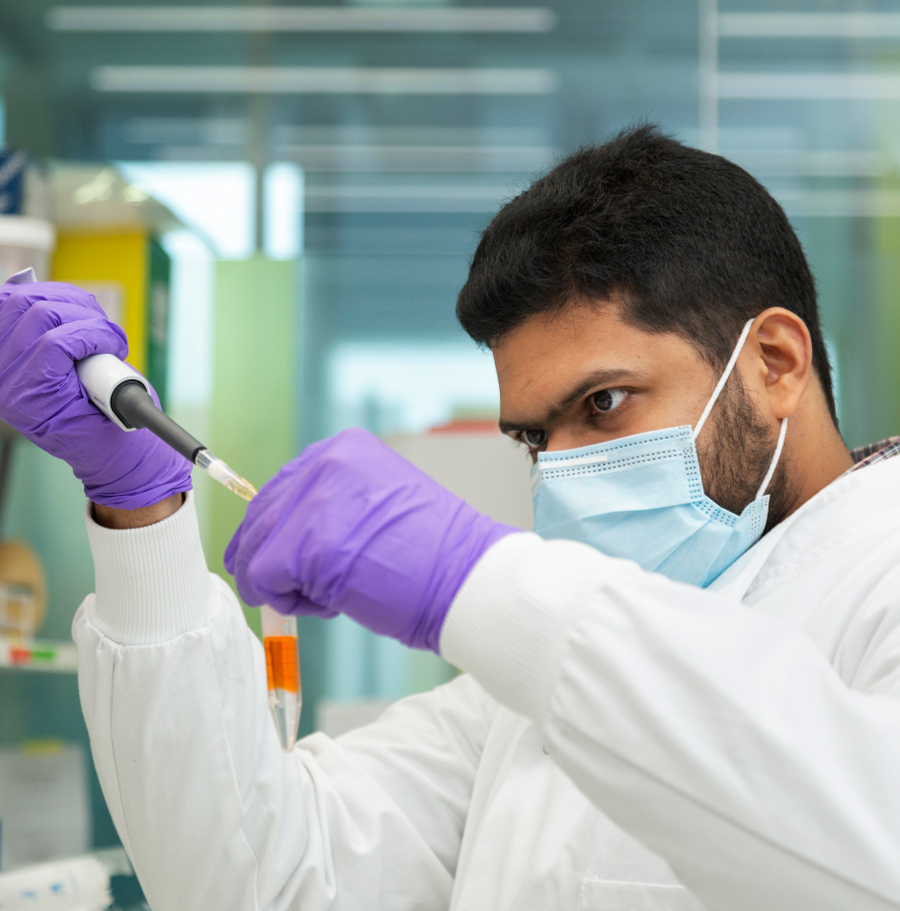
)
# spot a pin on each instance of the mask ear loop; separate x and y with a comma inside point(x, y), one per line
point(782, 432)
point(724, 378)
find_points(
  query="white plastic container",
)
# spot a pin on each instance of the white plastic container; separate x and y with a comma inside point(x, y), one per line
point(24, 242)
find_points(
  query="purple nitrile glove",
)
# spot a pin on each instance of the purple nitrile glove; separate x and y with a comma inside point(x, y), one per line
point(351, 527)
point(44, 328)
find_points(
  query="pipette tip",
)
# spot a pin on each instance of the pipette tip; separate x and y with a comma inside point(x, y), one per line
point(242, 487)
point(219, 471)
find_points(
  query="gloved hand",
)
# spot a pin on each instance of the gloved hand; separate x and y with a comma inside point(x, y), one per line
point(44, 328)
point(351, 527)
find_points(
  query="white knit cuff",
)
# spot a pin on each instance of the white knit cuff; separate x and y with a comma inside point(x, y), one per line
point(511, 620)
point(151, 583)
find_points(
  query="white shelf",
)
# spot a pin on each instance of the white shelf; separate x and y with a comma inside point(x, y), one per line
point(39, 655)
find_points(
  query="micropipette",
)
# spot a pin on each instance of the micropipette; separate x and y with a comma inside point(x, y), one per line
point(123, 395)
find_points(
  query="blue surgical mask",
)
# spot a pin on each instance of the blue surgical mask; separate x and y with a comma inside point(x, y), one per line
point(641, 497)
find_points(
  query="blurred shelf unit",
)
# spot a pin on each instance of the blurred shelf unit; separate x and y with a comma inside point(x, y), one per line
point(87, 198)
point(39, 655)
point(108, 243)
point(87, 225)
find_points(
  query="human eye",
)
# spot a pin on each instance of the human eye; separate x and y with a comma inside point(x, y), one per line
point(607, 400)
point(533, 439)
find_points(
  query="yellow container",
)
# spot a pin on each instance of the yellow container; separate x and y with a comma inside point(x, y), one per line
point(107, 262)
point(128, 272)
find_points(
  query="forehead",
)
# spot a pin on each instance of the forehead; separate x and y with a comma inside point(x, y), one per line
point(589, 326)
point(542, 358)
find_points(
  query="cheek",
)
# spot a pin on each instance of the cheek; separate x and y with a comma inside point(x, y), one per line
point(679, 401)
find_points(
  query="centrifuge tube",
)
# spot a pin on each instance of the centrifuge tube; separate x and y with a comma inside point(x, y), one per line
point(283, 673)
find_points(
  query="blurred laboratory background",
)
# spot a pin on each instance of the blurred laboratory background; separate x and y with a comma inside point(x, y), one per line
point(278, 201)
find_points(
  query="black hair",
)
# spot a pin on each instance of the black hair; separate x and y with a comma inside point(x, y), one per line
point(691, 242)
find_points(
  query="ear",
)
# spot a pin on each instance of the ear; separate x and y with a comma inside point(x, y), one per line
point(782, 352)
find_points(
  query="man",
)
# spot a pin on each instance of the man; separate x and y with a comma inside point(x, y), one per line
point(623, 739)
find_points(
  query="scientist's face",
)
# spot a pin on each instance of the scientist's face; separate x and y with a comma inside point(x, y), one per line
point(585, 376)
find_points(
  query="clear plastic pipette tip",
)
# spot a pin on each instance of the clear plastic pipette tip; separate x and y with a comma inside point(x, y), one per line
point(219, 471)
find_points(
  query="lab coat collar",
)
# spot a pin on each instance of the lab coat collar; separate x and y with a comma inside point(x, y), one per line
point(858, 504)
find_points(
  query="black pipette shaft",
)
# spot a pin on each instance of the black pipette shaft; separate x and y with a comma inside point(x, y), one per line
point(134, 407)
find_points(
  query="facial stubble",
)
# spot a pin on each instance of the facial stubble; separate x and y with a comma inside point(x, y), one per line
point(735, 458)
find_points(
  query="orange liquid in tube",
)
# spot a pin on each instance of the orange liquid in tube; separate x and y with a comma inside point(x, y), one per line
point(282, 663)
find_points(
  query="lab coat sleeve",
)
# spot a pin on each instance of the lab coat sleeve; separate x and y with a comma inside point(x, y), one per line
point(211, 812)
point(722, 739)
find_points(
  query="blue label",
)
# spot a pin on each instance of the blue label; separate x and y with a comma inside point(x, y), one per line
point(12, 170)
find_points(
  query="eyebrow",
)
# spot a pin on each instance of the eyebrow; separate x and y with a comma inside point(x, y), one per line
point(605, 378)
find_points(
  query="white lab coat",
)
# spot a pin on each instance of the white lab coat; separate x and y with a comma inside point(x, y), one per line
point(754, 746)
